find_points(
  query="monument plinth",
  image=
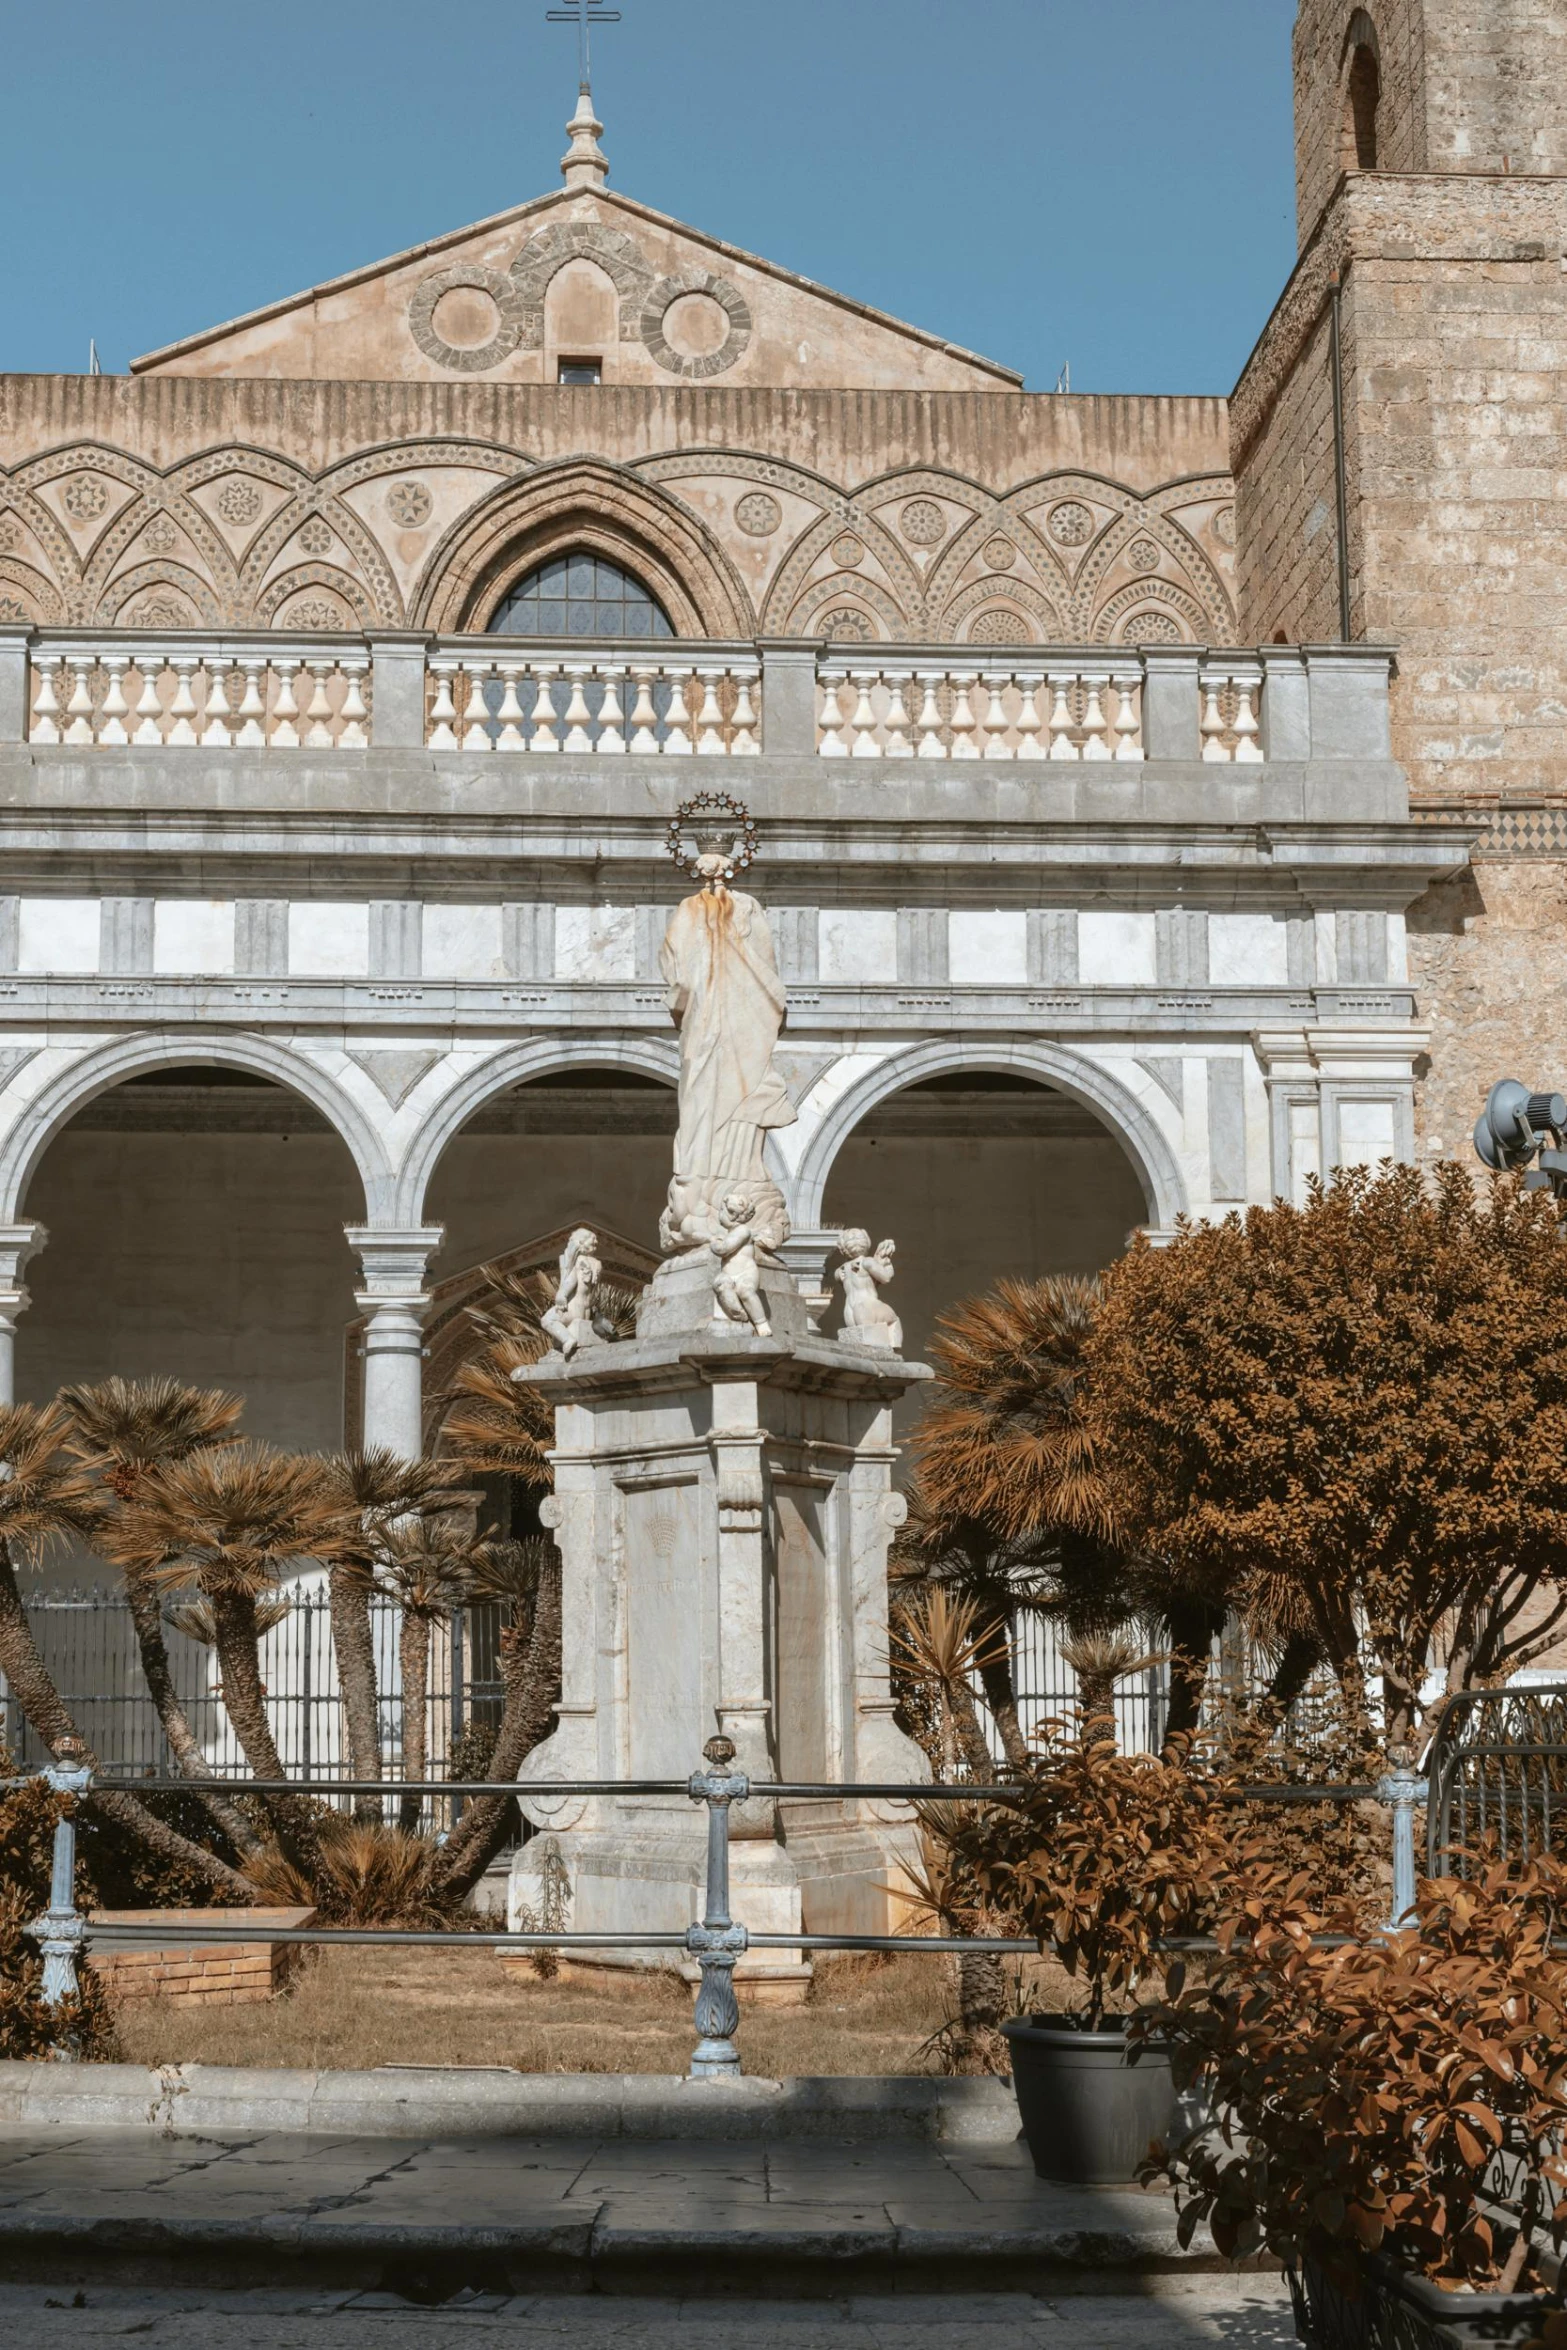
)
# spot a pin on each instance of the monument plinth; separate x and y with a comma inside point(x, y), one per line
point(723, 1507)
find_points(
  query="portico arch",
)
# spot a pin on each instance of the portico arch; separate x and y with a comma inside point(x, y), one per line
point(520, 1064)
point(98, 1070)
point(1129, 1120)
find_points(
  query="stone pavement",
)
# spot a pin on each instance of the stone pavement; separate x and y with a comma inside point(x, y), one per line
point(427, 2219)
point(1171, 2313)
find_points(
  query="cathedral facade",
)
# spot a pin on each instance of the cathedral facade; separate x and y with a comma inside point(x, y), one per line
point(356, 655)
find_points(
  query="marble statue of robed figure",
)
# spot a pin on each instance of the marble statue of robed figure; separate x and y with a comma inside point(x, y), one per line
point(728, 1003)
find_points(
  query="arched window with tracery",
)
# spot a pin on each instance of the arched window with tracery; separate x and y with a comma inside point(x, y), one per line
point(1362, 95)
point(580, 594)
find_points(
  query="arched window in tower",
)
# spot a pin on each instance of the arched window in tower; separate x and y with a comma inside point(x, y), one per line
point(1362, 91)
point(580, 594)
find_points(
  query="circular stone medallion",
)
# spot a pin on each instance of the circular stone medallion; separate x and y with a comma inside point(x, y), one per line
point(923, 523)
point(758, 514)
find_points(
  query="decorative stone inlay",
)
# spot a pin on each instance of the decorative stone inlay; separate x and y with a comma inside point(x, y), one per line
point(410, 504)
point(1224, 526)
point(845, 626)
point(315, 536)
point(1000, 626)
point(12, 608)
point(10, 536)
point(160, 612)
point(758, 514)
point(1152, 628)
point(696, 365)
point(468, 276)
point(922, 522)
point(314, 612)
point(1143, 555)
point(848, 552)
point(160, 536)
point(84, 497)
point(1000, 554)
point(239, 501)
point(1071, 524)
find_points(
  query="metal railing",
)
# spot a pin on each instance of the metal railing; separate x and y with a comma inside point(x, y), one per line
point(1498, 1767)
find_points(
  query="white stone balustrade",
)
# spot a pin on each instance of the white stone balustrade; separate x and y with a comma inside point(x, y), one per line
point(124, 690)
point(1231, 694)
point(1071, 707)
point(623, 701)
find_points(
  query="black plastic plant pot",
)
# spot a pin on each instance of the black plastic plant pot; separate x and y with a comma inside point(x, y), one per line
point(1397, 2310)
point(1089, 2112)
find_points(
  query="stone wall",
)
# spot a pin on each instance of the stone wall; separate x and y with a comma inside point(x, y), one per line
point(1322, 33)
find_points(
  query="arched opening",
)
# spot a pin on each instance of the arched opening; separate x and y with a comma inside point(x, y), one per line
point(1362, 93)
point(195, 1217)
point(978, 1174)
point(580, 593)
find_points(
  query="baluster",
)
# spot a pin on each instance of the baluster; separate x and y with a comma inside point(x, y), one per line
point(544, 737)
point(183, 707)
point(710, 717)
point(252, 733)
point(1061, 743)
point(742, 741)
point(1212, 727)
point(1029, 722)
point(353, 713)
point(1095, 731)
point(579, 718)
point(149, 710)
point(612, 716)
point(285, 710)
point(79, 708)
point(963, 720)
point(476, 711)
point(46, 709)
point(896, 723)
point(510, 712)
point(677, 742)
point(644, 715)
point(215, 734)
point(443, 710)
point(1245, 728)
point(115, 707)
point(832, 744)
point(996, 744)
point(864, 720)
point(932, 742)
point(318, 736)
point(1128, 726)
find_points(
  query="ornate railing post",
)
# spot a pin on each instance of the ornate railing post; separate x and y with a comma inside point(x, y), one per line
point(62, 1929)
point(1401, 1790)
point(717, 1942)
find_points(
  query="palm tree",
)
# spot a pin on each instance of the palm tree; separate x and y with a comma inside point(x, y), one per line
point(370, 1491)
point(1011, 1501)
point(223, 1525)
point(121, 1430)
point(428, 1566)
point(525, 1578)
point(938, 1641)
point(495, 1420)
point(46, 1496)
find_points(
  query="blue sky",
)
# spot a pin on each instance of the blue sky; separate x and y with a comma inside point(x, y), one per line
point(1104, 182)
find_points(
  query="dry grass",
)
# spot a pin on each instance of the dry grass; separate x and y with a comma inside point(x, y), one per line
point(362, 2007)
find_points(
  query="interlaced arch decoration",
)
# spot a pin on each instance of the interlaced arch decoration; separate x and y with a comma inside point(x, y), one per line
point(600, 509)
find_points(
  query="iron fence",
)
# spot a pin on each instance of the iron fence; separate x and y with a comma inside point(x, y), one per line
point(1498, 1769)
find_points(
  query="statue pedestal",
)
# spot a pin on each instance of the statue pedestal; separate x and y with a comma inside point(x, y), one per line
point(723, 1506)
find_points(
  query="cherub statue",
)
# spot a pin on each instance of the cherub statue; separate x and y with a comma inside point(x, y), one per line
point(570, 1319)
point(868, 1319)
point(737, 1285)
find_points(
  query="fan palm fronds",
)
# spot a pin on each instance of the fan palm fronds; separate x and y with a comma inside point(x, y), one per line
point(499, 1423)
point(44, 1493)
point(227, 1519)
point(195, 1619)
point(1100, 1659)
point(1007, 1439)
point(124, 1427)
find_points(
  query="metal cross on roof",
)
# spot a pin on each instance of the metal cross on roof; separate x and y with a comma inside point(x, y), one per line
point(584, 14)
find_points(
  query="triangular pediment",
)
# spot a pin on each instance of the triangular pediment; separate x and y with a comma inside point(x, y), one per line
point(580, 274)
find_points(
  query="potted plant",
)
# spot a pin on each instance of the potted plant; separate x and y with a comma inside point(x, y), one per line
point(1392, 2106)
point(1104, 1857)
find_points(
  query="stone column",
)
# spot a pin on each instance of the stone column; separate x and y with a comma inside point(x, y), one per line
point(394, 1302)
point(18, 1242)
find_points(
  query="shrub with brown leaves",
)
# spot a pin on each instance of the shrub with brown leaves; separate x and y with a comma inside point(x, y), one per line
point(1364, 2091)
point(81, 2026)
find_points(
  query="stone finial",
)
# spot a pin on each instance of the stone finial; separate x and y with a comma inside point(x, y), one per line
point(584, 164)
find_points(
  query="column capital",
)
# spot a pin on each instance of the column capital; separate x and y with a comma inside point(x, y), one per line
point(394, 1259)
point(18, 1243)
